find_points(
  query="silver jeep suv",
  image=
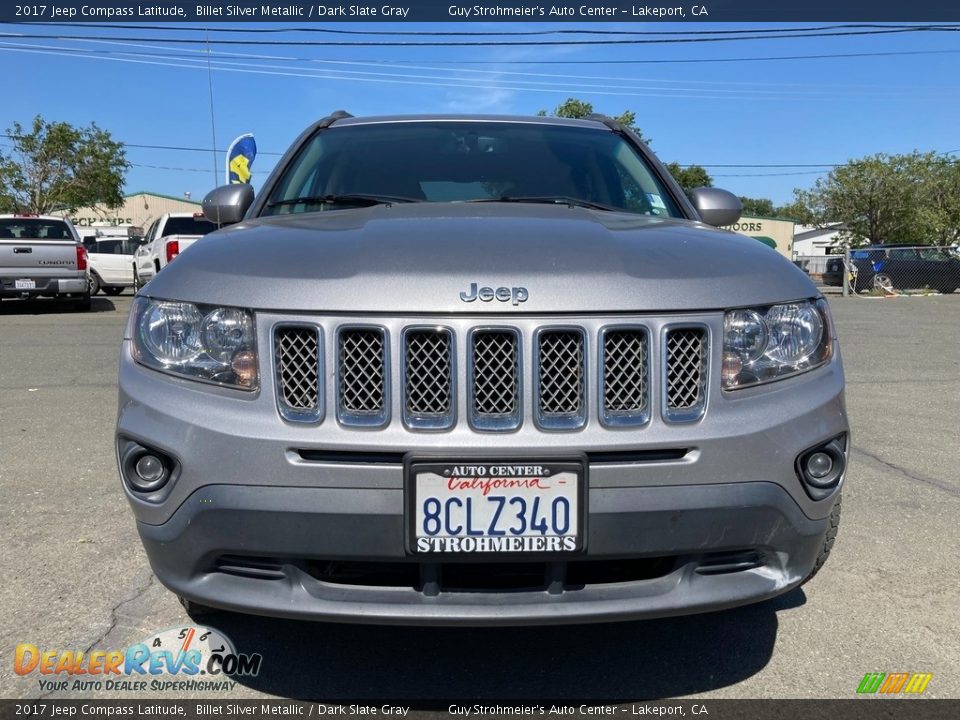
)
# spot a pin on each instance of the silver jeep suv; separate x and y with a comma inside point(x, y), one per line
point(479, 370)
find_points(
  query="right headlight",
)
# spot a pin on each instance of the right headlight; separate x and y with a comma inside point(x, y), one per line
point(765, 344)
point(200, 342)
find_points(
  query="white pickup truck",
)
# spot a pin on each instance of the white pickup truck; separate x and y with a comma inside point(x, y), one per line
point(41, 256)
point(167, 237)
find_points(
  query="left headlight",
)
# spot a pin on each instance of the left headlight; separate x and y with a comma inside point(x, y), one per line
point(765, 344)
point(200, 342)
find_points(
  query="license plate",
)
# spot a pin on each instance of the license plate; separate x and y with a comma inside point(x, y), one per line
point(495, 506)
point(24, 285)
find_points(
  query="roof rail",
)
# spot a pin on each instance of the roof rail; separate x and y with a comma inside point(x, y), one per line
point(606, 120)
point(333, 117)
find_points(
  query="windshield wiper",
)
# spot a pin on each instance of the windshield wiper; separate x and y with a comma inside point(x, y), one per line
point(356, 199)
point(551, 199)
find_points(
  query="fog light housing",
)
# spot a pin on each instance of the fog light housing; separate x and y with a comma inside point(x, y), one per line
point(821, 468)
point(146, 471)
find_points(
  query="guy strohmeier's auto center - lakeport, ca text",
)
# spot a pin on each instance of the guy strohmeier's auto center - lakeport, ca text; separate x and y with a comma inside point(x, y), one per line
point(277, 11)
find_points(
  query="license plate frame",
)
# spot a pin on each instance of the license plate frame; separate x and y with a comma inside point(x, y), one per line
point(416, 465)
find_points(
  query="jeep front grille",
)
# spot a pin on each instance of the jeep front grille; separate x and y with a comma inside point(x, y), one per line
point(561, 386)
point(298, 372)
point(428, 378)
point(626, 367)
point(495, 379)
point(686, 379)
point(635, 368)
point(362, 376)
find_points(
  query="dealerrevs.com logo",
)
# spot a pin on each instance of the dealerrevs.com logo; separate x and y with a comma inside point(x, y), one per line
point(183, 658)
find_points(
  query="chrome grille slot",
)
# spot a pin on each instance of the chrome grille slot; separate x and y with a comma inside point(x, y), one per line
point(495, 379)
point(298, 374)
point(362, 376)
point(626, 372)
point(428, 378)
point(685, 373)
point(561, 386)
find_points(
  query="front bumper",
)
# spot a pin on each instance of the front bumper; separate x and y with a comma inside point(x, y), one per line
point(263, 550)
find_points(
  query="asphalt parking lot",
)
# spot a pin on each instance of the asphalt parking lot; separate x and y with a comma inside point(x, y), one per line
point(75, 576)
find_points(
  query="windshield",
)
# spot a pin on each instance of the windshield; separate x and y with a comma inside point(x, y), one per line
point(188, 226)
point(118, 246)
point(462, 161)
point(34, 229)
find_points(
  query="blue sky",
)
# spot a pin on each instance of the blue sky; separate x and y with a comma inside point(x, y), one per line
point(711, 112)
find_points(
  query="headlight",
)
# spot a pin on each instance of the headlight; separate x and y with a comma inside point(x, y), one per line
point(200, 342)
point(764, 344)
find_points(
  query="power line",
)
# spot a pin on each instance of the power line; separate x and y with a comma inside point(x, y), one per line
point(645, 61)
point(186, 149)
point(338, 64)
point(177, 169)
point(493, 43)
point(498, 33)
point(682, 61)
point(730, 175)
point(495, 83)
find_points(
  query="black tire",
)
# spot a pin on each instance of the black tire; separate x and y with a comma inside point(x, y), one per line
point(83, 304)
point(828, 541)
point(195, 609)
point(113, 291)
point(94, 283)
point(136, 281)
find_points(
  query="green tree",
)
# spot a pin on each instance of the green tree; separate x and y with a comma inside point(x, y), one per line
point(885, 198)
point(691, 176)
point(797, 211)
point(573, 108)
point(55, 166)
point(939, 199)
point(757, 206)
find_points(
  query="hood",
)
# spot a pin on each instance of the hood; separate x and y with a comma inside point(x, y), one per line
point(420, 258)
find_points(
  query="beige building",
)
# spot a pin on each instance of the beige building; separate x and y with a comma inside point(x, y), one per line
point(775, 232)
point(139, 209)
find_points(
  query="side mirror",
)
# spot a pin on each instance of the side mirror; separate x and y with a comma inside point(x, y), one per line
point(716, 207)
point(227, 204)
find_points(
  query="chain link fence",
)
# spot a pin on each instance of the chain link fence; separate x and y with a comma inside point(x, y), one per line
point(889, 270)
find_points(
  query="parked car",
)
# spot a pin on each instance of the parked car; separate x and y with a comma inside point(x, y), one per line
point(110, 263)
point(479, 370)
point(41, 256)
point(833, 271)
point(167, 237)
point(898, 267)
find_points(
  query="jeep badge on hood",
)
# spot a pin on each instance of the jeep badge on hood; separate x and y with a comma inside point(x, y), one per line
point(516, 295)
